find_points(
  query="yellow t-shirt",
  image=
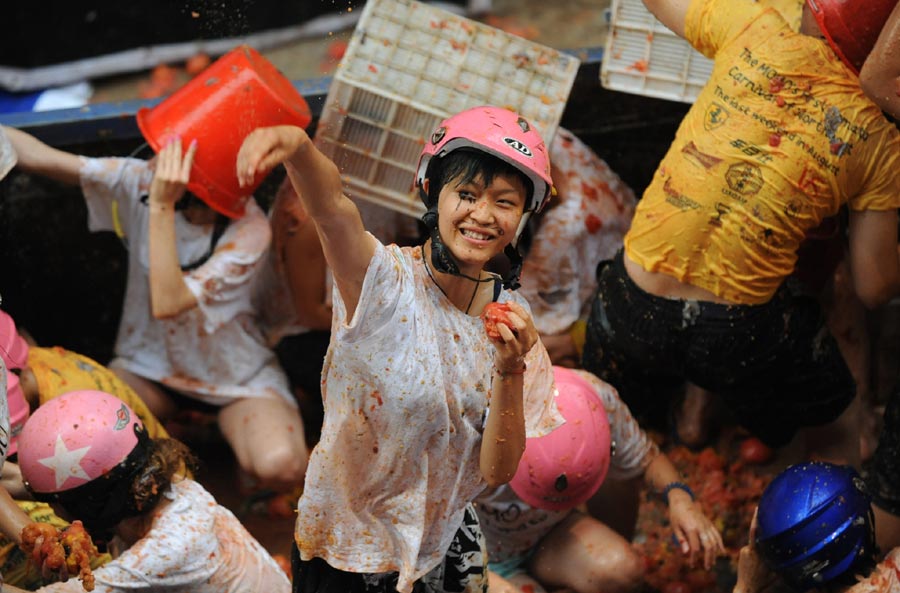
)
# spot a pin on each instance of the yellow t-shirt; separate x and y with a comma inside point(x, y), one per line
point(58, 371)
point(779, 138)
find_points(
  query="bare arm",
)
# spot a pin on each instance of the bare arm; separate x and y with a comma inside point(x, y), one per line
point(874, 259)
point(169, 294)
point(12, 518)
point(300, 255)
point(693, 529)
point(36, 157)
point(671, 13)
point(348, 249)
point(503, 441)
point(880, 74)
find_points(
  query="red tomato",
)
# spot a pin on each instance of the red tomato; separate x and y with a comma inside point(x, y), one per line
point(163, 76)
point(754, 451)
point(493, 314)
point(280, 506)
point(197, 64)
point(677, 587)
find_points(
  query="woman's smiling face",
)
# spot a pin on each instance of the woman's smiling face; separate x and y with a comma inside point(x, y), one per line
point(477, 222)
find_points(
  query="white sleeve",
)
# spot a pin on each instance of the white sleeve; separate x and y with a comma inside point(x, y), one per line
point(387, 288)
point(634, 450)
point(541, 414)
point(112, 189)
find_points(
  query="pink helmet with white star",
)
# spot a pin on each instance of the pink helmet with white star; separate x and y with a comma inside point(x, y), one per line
point(76, 438)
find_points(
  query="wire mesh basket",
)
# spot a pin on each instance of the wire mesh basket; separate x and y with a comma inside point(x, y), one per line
point(408, 66)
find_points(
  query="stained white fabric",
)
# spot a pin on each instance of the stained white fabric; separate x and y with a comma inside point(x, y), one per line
point(215, 351)
point(407, 386)
point(194, 545)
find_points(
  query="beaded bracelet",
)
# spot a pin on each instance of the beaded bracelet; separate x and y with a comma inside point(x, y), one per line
point(680, 486)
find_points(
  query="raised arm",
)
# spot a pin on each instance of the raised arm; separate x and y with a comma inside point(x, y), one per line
point(348, 248)
point(36, 157)
point(880, 74)
point(169, 294)
point(874, 258)
point(671, 13)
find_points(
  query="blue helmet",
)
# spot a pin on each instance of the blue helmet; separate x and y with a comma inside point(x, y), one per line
point(815, 524)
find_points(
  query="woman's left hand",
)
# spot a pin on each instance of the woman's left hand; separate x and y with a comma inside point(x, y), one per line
point(694, 531)
point(515, 341)
point(173, 171)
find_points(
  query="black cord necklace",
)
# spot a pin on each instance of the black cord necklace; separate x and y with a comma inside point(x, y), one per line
point(444, 292)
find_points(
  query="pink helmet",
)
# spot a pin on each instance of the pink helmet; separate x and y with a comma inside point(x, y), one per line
point(563, 469)
point(851, 26)
point(500, 132)
point(76, 438)
point(13, 348)
point(18, 410)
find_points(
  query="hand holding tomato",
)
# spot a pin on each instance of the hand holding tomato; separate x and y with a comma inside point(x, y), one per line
point(511, 331)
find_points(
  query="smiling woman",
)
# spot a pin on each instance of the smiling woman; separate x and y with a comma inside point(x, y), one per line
point(412, 367)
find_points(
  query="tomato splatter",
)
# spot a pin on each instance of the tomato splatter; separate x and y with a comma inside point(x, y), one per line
point(373, 68)
point(776, 84)
point(640, 66)
point(593, 223)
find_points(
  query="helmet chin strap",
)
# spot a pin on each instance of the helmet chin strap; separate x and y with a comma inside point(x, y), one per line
point(442, 259)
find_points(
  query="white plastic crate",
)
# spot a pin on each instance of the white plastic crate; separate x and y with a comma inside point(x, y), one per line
point(643, 57)
point(408, 66)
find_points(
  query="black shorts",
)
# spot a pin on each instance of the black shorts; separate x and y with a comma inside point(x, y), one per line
point(464, 569)
point(883, 470)
point(775, 366)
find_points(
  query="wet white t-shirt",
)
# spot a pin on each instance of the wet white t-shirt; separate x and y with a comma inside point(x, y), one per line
point(215, 351)
point(586, 226)
point(512, 527)
point(194, 545)
point(884, 579)
point(407, 385)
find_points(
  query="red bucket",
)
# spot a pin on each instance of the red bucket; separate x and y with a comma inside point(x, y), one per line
point(239, 92)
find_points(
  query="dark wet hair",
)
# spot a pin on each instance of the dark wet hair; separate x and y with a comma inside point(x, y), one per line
point(468, 165)
point(130, 489)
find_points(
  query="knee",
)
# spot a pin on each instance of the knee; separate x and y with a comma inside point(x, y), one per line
point(619, 570)
point(280, 466)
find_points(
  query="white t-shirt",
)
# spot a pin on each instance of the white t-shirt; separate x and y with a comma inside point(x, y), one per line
point(194, 545)
point(407, 384)
point(884, 579)
point(215, 351)
point(512, 527)
point(585, 227)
